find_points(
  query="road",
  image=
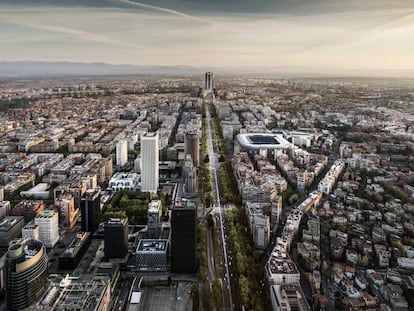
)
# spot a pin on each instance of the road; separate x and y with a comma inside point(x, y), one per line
point(211, 263)
point(227, 295)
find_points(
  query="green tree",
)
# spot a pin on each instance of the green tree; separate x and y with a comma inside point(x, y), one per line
point(217, 293)
point(365, 260)
point(195, 295)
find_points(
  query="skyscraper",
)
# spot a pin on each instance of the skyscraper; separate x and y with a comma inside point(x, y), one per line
point(154, 219)
point(189, 176)
point(121, 152)
point(90, 210)
point(184, 238)
point(209, 81)
point(116, 238)
point(26, 273)
point(149, 162)
point(192, 147)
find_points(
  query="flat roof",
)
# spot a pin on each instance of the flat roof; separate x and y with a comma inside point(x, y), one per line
point(116, 221)
point(75, 244)
point(279, 264)
point(31, 226)
point(9, 221)
point(39, 187)
point(149, 245)
point(47, 214)
point(150, 134)
point(263, 140)
point(136, 297)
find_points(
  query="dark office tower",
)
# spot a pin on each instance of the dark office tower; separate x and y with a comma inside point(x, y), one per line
point(209, 81)
point(26, 273)
point(183, 238)
point(116, 238)
point(90, 210)
point(192, 147)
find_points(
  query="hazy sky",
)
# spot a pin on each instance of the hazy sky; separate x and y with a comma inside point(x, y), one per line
point(327, 34)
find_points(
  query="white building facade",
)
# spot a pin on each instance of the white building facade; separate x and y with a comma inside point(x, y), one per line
point(121, 152)
point(149, 162)
point(48, 222)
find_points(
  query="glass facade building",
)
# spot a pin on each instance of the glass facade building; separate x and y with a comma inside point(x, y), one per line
point(26, 273)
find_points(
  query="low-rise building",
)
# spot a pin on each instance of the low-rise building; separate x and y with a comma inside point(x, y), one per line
point(72, 255)
point(288, 297)
point(86, 293)
point(10, 228)
point(40, 191)
point(124, 181)
point(406, 263)
point(280, 269)
point(28, 209)
point(30, 231)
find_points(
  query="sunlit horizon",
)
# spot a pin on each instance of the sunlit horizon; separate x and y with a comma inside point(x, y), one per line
point(315, 36)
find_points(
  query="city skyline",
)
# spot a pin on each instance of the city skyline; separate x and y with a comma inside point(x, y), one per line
point(317, 35)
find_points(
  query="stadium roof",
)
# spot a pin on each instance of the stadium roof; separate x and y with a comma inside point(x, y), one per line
point(263, 141)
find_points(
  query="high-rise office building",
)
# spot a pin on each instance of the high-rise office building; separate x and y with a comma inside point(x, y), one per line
point(90, 210)
point(154, 219)
point(189, 176)
point(108, 167)
point(116, 238)
point(48, 222)
point(121, 152)
point(209, 81)
point(184, 238)
point(192, 147)
point(26, 273)
point(66, 206)
point(149, 162)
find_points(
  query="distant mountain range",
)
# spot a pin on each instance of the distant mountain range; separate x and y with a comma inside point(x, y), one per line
point(47, 69)
point(22, 69)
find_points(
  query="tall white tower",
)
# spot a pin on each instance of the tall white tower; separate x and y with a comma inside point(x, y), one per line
point(121, 152)
point(149, 162)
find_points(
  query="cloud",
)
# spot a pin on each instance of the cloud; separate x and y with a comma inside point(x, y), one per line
point(175, 13)
point(83, 35)
point(164, 10)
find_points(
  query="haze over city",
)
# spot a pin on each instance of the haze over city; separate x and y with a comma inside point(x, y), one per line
point(334, 37)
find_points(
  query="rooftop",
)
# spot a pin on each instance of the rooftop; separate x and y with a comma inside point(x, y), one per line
point(80, 294)
point(281, 263)
point(47, 214)
point(75, 244)
point(152, 245)
point(150, 134)
point(262, 140)
point(117, 222)
point(9, 221)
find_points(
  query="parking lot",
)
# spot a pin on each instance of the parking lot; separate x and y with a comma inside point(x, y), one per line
point(176, 298)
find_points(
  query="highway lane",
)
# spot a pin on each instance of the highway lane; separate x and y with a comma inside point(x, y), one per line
point(211, 264)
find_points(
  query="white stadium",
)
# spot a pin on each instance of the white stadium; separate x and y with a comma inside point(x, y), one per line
point(263, 143)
